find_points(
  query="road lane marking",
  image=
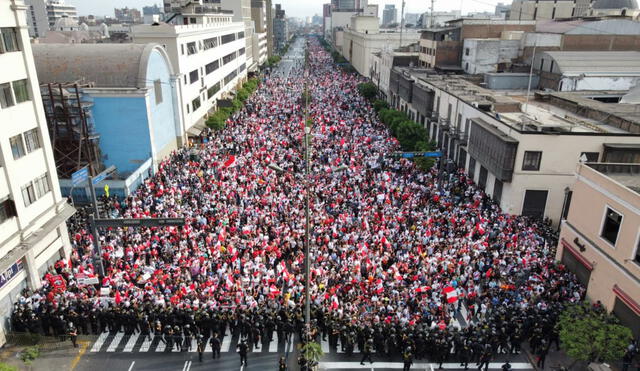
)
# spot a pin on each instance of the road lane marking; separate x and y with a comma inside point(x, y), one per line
point(133, 339)
point(131, 367)
point(273, 345)
point(98, 344)
point(161, 346)
point(83, 348)
point(115, 342)
point(226, 342)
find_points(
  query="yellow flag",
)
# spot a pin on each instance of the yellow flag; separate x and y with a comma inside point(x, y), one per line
point(106, 190)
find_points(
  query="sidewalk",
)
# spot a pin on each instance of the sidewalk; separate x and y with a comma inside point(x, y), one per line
point(64, 357)
point(555, 359)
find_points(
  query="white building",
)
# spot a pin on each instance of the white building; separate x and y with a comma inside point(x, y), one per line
point(42, 15)
point(589, 70)
point(488, 55)
point(208, 52)
point(523, 156)
point(242, 13)
point(364, 37)
point(438, 19)
point(33, 232)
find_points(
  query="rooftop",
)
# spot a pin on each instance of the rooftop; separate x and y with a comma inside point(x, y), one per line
point(543, 112)
point(104, 65)
point(626, 174)
point(596, 62)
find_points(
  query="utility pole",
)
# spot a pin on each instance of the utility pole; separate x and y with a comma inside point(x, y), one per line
point(431, 17)
point(401, 23)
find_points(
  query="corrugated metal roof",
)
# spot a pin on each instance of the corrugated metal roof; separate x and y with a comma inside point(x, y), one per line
point(106, 65)
point(627, 62)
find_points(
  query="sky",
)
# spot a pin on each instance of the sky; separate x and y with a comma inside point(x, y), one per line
point(299, 8)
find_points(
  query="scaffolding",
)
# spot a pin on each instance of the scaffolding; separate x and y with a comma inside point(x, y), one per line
point(74, 140)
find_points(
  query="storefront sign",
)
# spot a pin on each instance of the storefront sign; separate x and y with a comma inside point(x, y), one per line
point(11, 272)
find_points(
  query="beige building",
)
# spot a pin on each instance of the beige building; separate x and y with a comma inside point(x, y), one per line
point(548, 9)
point(600, 238)
point(364, 37)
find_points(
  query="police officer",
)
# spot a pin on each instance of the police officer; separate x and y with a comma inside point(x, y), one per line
point(366, 352)
point(201, 346)
point(73, 334)
point(243, 349)
point(282, 364)
point(215, 345)
point(407, 358)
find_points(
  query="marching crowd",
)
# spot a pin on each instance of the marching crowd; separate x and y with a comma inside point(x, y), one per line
point(394, 258)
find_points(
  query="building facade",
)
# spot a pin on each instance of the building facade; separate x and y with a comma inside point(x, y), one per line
point(363, 38)
point(125, 88)
point(389, 14)
point(522, 153)
point(280, 28)
point(33, 214)
point(242, 13)
point(489, 55)
point(42, 15)
point(534, 10)
point(208, 53)
point(600, 237)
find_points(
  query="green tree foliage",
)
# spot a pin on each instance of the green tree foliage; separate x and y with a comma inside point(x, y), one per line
point(6, 367)
point(589, 334)
point(368, 90)
point(218, 120)
point(273, 60)
point(409, 134)
point(380, 104)
point(311, 351)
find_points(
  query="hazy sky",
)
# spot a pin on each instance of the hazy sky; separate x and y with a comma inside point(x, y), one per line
point(298, 8)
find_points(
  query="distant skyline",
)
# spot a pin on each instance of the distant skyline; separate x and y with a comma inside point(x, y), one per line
point(299, 8)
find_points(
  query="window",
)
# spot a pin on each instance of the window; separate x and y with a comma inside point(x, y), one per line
point(196, 104)
point(21, 90)
point(213, 90)
point(590, 156)
point(193, 76)
point(611, 226)
point(241, 51)
point(42, 185)
point(7, 210)
point(191, 48)
point(240, 35)
point(182, 49)
point(228, 38)
point(635, 259)
point(188, 107)
point(9, 42)
point(157, 91)
point(6, 98)
point(17, 147)
point(531, 160)
point(466, 51)
point(242, 67)
point(228, 58)
point(212, 67)
point(28, 194)
point(32, 140)
point(210, 43)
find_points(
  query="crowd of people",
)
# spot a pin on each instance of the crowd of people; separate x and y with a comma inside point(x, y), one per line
point(394, 259)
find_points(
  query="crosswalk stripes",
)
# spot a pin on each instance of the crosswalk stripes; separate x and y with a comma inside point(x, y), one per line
point(226, 342)
point(161, 346)
point(99, 342)
point(146, 344)
point(273, 346)
point(115, 342)
point(325, 346)
point(128, 348)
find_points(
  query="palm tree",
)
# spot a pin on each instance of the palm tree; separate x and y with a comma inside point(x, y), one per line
point(312, 352)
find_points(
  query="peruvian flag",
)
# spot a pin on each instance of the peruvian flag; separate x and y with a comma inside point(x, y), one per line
point(334, 302)
point(423, 289)
point(273, 290)
point(231, 162)
point(451, 294)
point(118, 299)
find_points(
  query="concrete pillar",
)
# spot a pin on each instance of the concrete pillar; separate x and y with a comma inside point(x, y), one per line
point(33, 278)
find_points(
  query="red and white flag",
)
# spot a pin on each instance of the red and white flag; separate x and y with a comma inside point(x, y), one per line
point(423, 289)
point(273, 290)
point(452, 295)
point(231, 162)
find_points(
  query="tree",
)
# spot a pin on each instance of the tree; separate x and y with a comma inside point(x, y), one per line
point(424, 163)
point(380, 104)
point(217, 121)
point(6, 367)
point(368, 90)
point(409, 134)
point(311, 351)
point(590, 334)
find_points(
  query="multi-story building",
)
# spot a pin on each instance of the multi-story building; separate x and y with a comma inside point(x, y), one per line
point(440, 47)
point(124, 88)
point(42, 15)
point(439, 19)
point(389, 15)
point(364, 38)
point(33, 214)
point(127, 15)
point(208, 52)
point(533, 10)
point(242, 13)
point(261, 36)
point(521, 151)
point(600, 237)
point(270, 37)
point(280, 28)
point(383, 62)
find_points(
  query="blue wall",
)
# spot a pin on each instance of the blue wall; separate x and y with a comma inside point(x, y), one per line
point(124, 132)
point(163, 123)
